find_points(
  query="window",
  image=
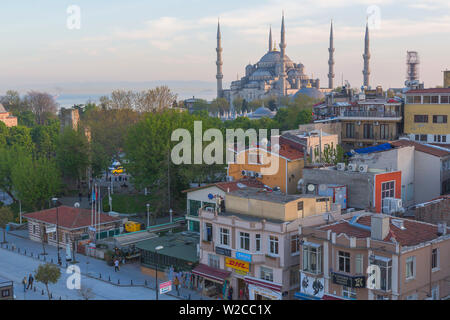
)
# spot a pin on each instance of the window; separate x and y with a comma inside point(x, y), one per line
point(437, 138)
point(294, 277)
point(258, 242)
point(273, 245)
point(409, 99)
point(412, 297)
point(419, 118)
point(385, 265)
point(426, 99)
point(368, 131)
point(295, 244)
point(384, 131)
point(444, 99)
point(434, 99)
point(348, 292)
point(244, 238)
point(423, 137)
point(387, 189)
point(266, 274)
point(350, 130)
point(194, 205)
point(213, 261)
point(34, 229)
point(435, 259)
point(5, 293)
point(344, 261)
point(208, 232)
point(410, 268)
point(359, 262)
point(224, 236)
point(417, 99)
point(312, 258)
point(440, 119)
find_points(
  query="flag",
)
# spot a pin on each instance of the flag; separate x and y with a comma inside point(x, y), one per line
point(93, 194)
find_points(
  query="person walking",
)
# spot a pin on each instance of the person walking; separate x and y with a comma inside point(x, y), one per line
point(30, 282)
point(24, 281)
point(176, 282)
point(116, 265)
point(230, 293)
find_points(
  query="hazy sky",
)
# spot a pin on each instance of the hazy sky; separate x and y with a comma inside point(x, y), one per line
point(175, 39)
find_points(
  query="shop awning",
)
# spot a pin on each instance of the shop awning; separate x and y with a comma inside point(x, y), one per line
point(211, 273)
point(304, 296)
point(263, 283)
point(332, 297)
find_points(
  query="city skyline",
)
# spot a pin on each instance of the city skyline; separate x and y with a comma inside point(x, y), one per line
point(141, 42)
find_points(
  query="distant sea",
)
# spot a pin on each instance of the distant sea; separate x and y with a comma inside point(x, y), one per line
point(68, 100)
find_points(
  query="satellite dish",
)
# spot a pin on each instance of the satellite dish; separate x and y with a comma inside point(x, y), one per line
point(76, 205)
point(323, 187)
point(210, 196)
point(311, 187)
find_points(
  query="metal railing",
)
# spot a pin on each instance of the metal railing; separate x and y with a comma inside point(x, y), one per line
point(371, 114)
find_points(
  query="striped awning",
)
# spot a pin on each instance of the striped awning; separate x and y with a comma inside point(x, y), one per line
point(263, 283)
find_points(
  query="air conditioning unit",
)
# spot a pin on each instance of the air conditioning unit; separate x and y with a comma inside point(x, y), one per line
point(392, 205)
point(251, 174)
point(363, 168)
point(340, 166)
point(352, 167)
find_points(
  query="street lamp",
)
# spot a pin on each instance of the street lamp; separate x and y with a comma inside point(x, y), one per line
point(156, 250)
point(110, 199)
point(57, 227)
point(148, 219)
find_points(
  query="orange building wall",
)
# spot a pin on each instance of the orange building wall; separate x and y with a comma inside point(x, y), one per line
point(384, 177)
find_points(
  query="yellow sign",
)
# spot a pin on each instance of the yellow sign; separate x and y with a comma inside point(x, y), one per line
point(237, 264)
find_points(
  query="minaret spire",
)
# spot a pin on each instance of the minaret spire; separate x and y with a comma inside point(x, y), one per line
point(283, 58)
point(331, 60)
point(366, 57)
point(270, 39)
point(219, 63)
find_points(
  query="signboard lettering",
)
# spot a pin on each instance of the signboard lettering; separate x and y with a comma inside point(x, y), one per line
point(237, 264)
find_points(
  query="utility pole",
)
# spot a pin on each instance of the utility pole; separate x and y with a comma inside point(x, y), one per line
point(168, 176)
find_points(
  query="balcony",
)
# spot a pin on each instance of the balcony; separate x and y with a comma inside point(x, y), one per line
point(385, 115)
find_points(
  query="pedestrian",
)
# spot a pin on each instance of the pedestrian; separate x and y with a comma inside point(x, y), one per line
point(176, 282)
point(80, 195)
point(30, 282)
point(241, 294)
point(24, 281)
point(230, 293)
point(116, 265)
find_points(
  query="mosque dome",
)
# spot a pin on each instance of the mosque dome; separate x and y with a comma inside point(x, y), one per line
point(271, 58)
point(310, 92)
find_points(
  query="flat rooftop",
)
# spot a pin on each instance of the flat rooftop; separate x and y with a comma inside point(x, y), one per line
point(264, 195)
point(182, 245)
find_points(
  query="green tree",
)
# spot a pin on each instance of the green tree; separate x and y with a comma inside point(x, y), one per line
point(45, 138)
point(20, 136)
point(303, 117)
point(3, 134)
point(35, 181)
point(46, 274)
point(6, 216)
point(72, 153)
point(9, 158)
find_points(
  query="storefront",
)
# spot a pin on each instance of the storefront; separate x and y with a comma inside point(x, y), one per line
point(259, 289)
point(213, 282)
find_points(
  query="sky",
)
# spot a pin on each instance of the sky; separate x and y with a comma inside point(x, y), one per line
point(174, 40)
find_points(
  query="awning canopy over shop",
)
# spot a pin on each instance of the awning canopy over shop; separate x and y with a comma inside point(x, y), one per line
point(210, 273)
point(304, 296)
point(332, 297)
point(263, 283)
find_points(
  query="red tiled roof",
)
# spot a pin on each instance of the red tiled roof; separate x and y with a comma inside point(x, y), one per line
point(230, 185)
point(415, 232)
point(211, 273)
point(430, 90)
point(68, 217)
point(421, 147)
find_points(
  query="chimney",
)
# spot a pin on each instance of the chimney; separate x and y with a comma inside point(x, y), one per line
point(379, 226)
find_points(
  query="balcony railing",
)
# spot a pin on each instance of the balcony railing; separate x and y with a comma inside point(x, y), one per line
point(371, 114)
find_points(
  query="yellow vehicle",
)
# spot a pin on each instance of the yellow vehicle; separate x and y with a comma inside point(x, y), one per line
point(132, 226)
point(117, 170)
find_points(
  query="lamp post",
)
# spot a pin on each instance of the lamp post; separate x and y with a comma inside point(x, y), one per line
point(110, 199)
point(57, 227)
point(148, 217)
point(156, 251)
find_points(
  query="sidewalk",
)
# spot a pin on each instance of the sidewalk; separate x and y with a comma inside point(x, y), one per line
point(129, 275)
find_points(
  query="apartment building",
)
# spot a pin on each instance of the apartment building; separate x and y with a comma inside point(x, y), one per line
point(6, 117)
point(427, 112)
point(251, 242)
point(375, 257)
